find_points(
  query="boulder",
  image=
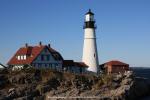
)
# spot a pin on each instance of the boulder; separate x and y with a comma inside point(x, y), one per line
point(12, 93)
point(3, 81)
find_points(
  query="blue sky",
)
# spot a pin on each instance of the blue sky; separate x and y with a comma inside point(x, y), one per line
point(123, 28)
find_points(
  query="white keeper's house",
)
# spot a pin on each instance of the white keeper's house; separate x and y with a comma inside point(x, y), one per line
point(44, 56)
point(36, 56)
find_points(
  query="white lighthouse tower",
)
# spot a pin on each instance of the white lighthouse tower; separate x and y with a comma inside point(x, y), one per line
point(90, 55)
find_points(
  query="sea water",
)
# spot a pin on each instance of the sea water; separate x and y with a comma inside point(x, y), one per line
point(142, 72)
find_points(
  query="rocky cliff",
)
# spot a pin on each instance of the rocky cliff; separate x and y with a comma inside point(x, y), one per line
point(34, 84)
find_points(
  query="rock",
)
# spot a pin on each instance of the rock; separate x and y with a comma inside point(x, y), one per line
point(39, 98)
point(12, 93)
point(126, 81)
point(51, 93)
point(67, 83)
point(32, 85)
point(74, 92)
point(115, 85)
point(128, 74)
point(118, 78)
point(46, 88)
point(3, 81)
point(11, 90)
point(43, 88)
point(53, 83)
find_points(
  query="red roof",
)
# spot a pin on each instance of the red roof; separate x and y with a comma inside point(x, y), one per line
point(25, 51)
point(115, 62)
point(32, 52)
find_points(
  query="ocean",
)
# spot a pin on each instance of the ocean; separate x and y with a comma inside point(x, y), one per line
point(142, 72)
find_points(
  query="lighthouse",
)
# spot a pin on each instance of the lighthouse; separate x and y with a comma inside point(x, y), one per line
point(90, 55)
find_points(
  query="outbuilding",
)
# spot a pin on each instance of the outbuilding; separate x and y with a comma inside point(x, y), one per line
point(114, 67)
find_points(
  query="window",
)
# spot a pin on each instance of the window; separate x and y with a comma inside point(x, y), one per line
point(56, 65)
point(25, 57)
point(45, 65)
point(45, 50)
point(53, 66)
point(48, 57)
point(50, 65)
point(39, 65)
point(18, 57)
point(21, 57)
point(42, 57)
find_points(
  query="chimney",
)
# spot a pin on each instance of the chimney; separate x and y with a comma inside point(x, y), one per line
point(26, 45)
point(40, 43)
point(49, 45)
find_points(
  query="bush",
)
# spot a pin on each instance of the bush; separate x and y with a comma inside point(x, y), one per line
point(106, 79)
point(68, 76)
point(103, 80)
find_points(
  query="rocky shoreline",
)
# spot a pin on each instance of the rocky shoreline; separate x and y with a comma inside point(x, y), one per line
point(35, 84)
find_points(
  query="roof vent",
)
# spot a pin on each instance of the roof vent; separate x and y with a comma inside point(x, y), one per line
point(49, 45)
point(26, 45)
point(40, 43)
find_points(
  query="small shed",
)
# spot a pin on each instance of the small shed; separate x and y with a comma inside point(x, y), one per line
point(115, 67)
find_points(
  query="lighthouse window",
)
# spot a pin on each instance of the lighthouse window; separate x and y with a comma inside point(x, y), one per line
point(94, 54)
point(87, 18)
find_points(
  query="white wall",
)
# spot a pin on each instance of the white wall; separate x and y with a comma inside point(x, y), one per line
point(90, 55)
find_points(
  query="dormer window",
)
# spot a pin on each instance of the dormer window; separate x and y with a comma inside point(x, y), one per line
point(22, 57)
point(25, 57)
point(18, 57)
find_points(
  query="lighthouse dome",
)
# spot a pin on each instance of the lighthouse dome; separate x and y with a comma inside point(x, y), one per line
point(89, 12)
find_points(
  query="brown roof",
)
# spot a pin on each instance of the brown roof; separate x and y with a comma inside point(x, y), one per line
point(72, 63)
point(115, 62)
point(55, 54)
point(80, 64)
point(32, 52)
point(68, 63)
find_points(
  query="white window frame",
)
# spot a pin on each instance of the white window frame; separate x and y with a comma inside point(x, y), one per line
point(25, 57)
point(21, 57)
point(18, 57)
